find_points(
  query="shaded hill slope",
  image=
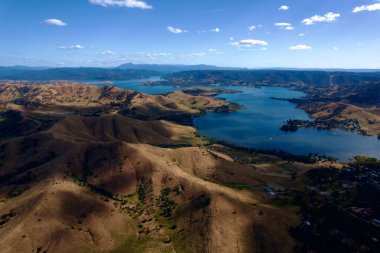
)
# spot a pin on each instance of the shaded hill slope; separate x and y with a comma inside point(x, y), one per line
point(105, 188)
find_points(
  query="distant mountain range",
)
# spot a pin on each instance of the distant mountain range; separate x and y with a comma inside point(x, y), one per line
point(271, 77)
point(123, 72)
point(99, 74)
point(130, 71)
point(174, 67)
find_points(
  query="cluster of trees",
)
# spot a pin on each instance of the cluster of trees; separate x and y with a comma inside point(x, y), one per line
point(368, 162)
point(166, 205)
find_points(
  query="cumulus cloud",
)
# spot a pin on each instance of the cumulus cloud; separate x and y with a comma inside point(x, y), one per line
point(215, 30)
point(122, 3)
point(175, 30)
point(108, 52)
point(284, 8)
point(249, 43)
point(289, 28)
point(54, 21)
point(72, 47)
point(300, 47)
point(282, 24)
point(370, 7)
point(328, 17)
point(252, 27)
point(285, 26)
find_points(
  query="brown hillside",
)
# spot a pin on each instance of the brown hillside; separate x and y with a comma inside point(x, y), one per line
point(111, 183)
point(83, 186)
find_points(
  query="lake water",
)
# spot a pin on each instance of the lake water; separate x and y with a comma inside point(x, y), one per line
point(137, 86)
point(257, 125)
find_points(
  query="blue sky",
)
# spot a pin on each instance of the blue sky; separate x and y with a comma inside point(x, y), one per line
point(242, 33)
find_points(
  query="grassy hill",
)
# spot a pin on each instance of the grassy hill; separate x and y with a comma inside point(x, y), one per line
point(107, 182)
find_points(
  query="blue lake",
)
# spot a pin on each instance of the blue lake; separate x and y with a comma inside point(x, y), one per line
point(136, 85)
point(257, 125)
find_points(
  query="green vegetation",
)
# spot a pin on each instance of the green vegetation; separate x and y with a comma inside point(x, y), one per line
point(7, 217)
point(166, 205)
point(141, 193)
point(240, 186)
point(125, 244)
point(368, 162)
point(292, 125)
point(133, 244)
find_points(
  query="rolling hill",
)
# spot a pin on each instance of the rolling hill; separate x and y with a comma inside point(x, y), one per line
point(108, 182)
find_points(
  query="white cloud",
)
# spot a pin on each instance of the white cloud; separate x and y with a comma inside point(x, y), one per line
point(249, 43)
point(300, 47)
point(284, 8)
point(216, 30)
point(214, 51)
point(328, 17)
point(72, 47)
point(263, 49)
point(252, 27)
point(141, 57)
point(194, 54)
point(301, 34)
point(282, 24)
point(371, 7)
point(162, 54)
point(335, 48)
point(54, 21)
point(122, 3)
point(285, 26)
point(175, 30)
point(199, 54)
point(108, 52)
